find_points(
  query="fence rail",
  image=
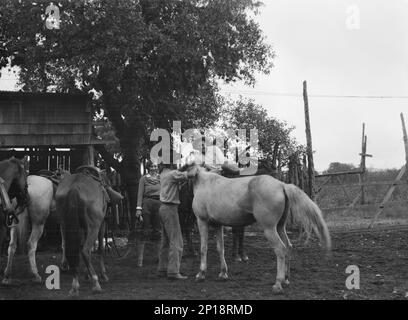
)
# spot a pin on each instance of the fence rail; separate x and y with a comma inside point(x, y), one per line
point(367, 205)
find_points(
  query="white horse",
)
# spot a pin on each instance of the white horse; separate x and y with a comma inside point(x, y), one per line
point(243, 201)
point(41, 192)
point(41, 203)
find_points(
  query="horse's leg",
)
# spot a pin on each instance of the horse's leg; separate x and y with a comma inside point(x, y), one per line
point(36, 233)
point(203, 229)
point(288, 244)
point(74, 292)
point(223, 275)
point(280, 251)
point(241, 252)
point(11, 251)
point(235, 241)
point(64, 262)
point(91, 237)
point(187, 233)
point(101, 235)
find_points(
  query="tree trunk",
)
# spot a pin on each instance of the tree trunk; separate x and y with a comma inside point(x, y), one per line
point(130, 171)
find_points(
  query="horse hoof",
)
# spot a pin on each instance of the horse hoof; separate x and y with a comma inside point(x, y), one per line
point(200, 277)
point(223, 276)
point(103, 278)
point(277, 289)
point(244, 258)
point(36, 279)
point(6, 281)
point(64, 267)
point(74, 293)
point(97, 289)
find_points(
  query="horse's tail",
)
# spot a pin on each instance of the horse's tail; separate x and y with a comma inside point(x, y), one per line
point(22, 231)
point(71, 216)
point(306, 213)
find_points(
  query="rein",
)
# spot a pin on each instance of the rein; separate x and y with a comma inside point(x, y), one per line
point(10, 215)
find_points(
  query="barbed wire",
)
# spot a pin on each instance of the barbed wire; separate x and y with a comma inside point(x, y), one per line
point(297, 95)
point(278, 94)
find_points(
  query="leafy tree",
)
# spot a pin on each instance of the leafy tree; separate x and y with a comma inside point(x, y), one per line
point(275, 141)
point(145, 62)
point(336, 167)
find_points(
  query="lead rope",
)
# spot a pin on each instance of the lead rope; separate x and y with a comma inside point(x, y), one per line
point(10, 215)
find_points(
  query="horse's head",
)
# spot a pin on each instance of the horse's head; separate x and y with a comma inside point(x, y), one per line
point(192, 169)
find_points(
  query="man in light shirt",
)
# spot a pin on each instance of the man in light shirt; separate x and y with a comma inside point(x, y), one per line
point(171, 248)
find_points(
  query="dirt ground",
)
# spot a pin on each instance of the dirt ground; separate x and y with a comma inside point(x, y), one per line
point(382, 258)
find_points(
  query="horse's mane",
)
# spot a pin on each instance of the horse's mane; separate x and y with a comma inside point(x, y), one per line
point(210, 175)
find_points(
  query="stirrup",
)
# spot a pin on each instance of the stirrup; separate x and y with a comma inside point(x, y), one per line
point(10, 218)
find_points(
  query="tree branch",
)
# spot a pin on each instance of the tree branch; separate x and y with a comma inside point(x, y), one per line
point(108, 157)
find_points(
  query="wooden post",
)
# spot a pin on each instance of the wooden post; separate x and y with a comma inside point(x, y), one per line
point(279, 167)
point(363, 164)
point(399, 176)
point(311, 173)
point(388, 195)
point(405, 137)
point(89, 156)
point(304, 174)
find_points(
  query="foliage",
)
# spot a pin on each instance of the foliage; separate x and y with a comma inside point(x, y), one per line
point(274, 135)
point(145, 62)
point(335, 167)
point(151, 60)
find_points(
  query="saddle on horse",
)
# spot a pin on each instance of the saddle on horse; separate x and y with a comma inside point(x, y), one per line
point(112, 196)
point(54, 176)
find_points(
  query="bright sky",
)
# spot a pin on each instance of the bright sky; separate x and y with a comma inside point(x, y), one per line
point(313, 43)
point(355, 47)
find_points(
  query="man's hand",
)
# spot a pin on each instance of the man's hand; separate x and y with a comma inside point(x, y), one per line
point(139, 215)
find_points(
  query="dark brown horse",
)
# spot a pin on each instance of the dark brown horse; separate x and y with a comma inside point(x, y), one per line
point(238, 233)
point(14, 185)
point(186, 216)
point(81, 202)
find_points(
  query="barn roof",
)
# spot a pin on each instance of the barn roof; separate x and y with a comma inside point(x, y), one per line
point(45, 119)
point(19, 94)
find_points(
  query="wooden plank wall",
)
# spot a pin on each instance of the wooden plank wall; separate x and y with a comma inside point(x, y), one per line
point(36, 120)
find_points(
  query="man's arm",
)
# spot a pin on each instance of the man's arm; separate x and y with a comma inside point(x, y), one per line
point(179, 176)
point(140, 193)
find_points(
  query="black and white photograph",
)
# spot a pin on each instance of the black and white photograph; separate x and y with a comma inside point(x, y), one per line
point(222, 152)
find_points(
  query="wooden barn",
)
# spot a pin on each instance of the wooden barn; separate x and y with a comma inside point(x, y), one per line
point(54, 130)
